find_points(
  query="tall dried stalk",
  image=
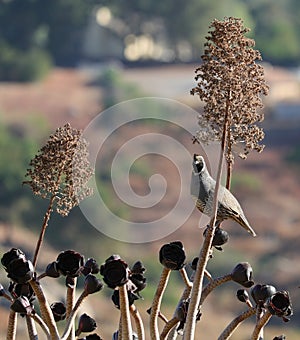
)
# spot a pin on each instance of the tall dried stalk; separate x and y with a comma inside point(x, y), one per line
point(60, 172)
point(230, 83)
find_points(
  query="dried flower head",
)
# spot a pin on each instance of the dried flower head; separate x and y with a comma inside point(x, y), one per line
point(231, 83)
point(61, 169)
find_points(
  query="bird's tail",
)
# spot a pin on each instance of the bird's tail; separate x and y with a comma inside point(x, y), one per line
point(241, 219)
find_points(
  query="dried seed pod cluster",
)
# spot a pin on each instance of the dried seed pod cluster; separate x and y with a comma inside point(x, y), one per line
point(61, 169)
point(231, 83)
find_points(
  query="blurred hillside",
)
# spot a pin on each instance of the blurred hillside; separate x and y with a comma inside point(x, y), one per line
point(267, 184)
point(69, 60)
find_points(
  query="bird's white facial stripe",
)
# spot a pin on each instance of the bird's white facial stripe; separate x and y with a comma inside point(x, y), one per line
point(198, 160)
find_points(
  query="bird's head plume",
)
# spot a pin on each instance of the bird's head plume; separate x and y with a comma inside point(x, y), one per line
point(198, 163)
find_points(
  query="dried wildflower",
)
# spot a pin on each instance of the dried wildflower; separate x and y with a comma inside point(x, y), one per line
point(172, 255)
point(242, 274)
point(280, 304)
point(22, 305)
point(59, 311)
point(86, 324)
point(261, 293)
point(69, 263)
point(115, 272)
point(230, 82)
point(61, 169)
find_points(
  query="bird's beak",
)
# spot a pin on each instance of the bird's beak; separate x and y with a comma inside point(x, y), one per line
point(196, 158)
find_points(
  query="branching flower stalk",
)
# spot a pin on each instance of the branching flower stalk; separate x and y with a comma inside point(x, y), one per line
point(174, 321)
point(260, 324)
point(45, 310)
point(60, 172)
point(72, 316)
point(43, 230)
point(229, 82)
point(138, 322)
point(125, 314)
point(185, 278)
point(42, 324)
point(212, 285)
point(230, 75)
point(154, 332)
point(228, 331)
point(70, 304)
point(32, 333)
point(189, 332)
point(12, 326)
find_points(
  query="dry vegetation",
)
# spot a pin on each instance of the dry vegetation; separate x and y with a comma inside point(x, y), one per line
point(272, 205)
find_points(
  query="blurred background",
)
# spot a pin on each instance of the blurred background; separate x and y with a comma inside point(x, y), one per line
point(68, 60)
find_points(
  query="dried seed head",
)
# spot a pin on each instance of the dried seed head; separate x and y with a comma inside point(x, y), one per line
point(61, 169)
point(231, 83)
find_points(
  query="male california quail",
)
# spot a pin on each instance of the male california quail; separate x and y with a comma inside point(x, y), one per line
point(203, 189)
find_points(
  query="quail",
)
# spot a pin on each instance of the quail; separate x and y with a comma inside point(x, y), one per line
point(203, 189)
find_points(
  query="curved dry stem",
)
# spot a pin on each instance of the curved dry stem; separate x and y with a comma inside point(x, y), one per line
point(12, 326)
point(138, 322)
point(72, 315)
point(236, 322)
point(46, 312)
point(212, 285)
point(32, 333)
point(43, 230)
point(42, 324)
point(69, 306)
point(125, 315)
point(208, 275)
point(120, 329)
point(172, 334)
point(189, 332)
point(260, 324)
point(259, 314)
point(185, 278)
point(164, 278)
point(168, 326)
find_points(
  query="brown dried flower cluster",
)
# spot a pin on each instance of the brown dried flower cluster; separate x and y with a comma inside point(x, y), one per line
point(61, 169)
point(231, 83)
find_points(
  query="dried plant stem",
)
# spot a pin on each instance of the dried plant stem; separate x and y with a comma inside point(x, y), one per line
point(212, 285)
point(120, 330)
point(172, 334)
point(236, 322)
point(189, 332)
point(228, 161)
point(46, 312)
point(72, 315)
point(185, 278)
point(43, 230)
point(6, 296)
point(12, 326)
point(31, 328)
point(162, 317)
point(260, 324)
point(42, 324)
point(208, 275)
point(125, 315)
point(259, 314)
point(69, 306)
point(168, 326)
point(154, 332)
point(138, 322)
